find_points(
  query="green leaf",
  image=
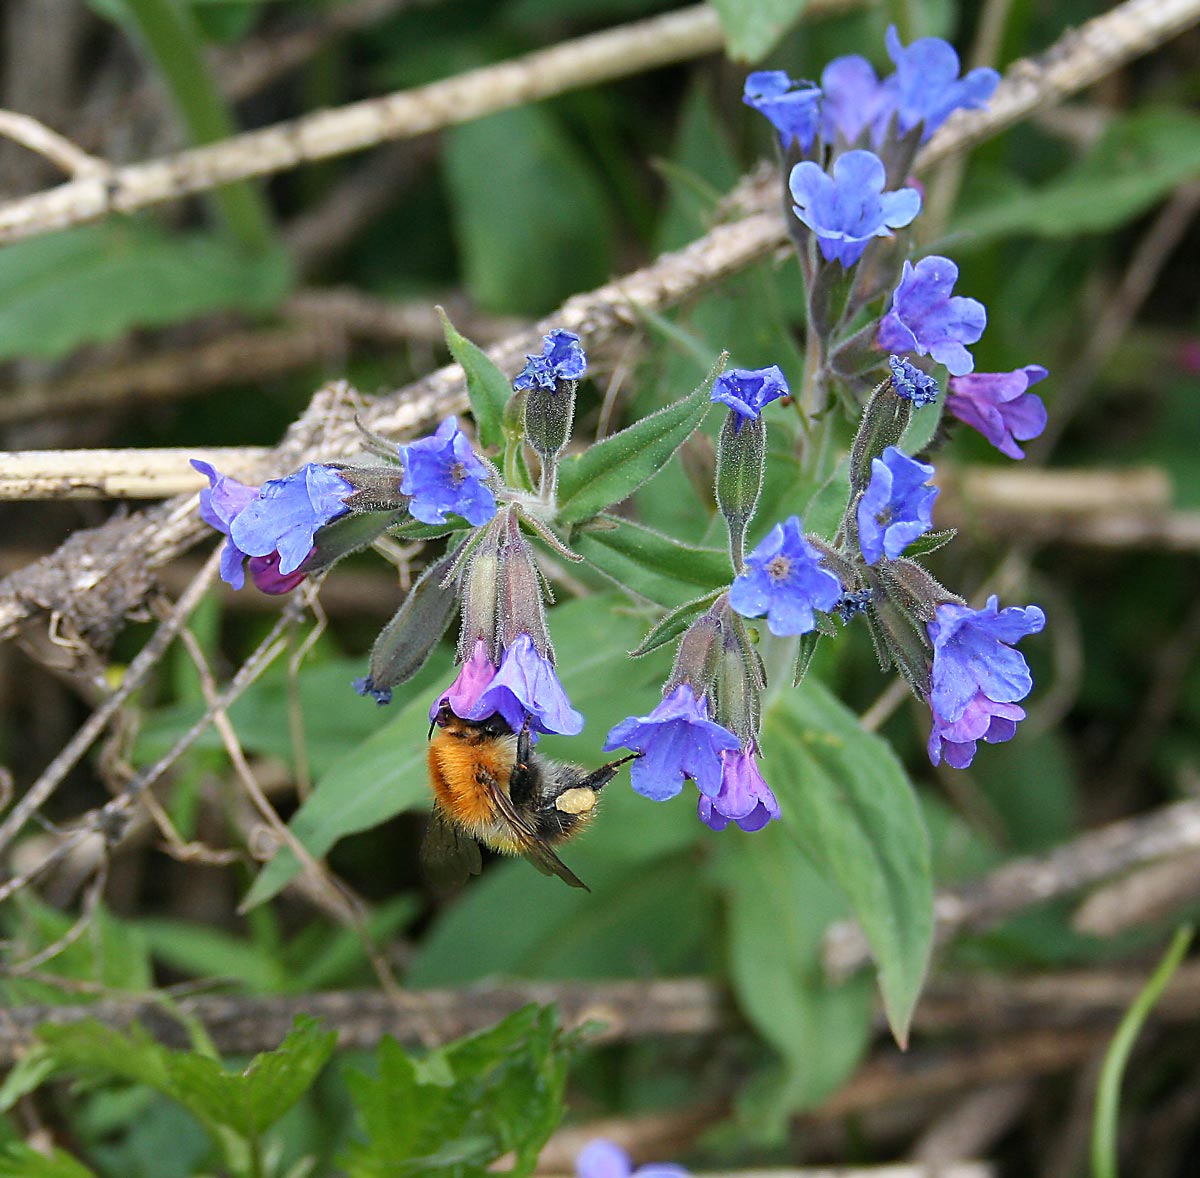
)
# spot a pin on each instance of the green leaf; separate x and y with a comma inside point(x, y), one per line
point(651, 564)
point(778, 905)
point(463, 1107)
point(531, 215)
point(1138, 160)
point(387, 773)
point(846, 800)
point(487, 387)
point(613, 469)
point(668, 628)
point(93, 283)
point(23, 1161)
point(754, 27)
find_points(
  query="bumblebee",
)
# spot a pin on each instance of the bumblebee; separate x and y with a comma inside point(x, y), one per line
point(491, 787)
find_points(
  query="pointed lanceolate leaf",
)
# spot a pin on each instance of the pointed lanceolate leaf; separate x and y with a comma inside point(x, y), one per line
point(613, 469)
point(669, 627)
point(848, 803)
point(487, 387)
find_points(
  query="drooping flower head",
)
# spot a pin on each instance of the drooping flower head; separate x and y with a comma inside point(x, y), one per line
point(476, 673)
point(562, 359)
point(999, 406)
point(285, 515)
point(978, 678)
point(525, 687)
point(744, 796)
point(747, 391)
point(785, 580)
point(603, 1159)
point(442, 473)
point(927, 319)
point(911, 383)
point(793, 108)
point(852, 98)
point(926, 88)
point(896, 507)
point(677, 741)
point(849, 208)
point(220, 504)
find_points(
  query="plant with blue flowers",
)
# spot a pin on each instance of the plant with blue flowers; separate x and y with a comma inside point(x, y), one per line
point(519, 497)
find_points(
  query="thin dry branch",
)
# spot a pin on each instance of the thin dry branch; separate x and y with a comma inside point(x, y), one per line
point(1098, 855)
point(60, 151)
point(145, 542)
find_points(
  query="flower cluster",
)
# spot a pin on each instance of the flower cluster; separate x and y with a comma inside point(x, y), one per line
point(605, 1159)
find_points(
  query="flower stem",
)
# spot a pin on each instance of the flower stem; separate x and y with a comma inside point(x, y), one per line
point(173, 41)
point(1108, 1092)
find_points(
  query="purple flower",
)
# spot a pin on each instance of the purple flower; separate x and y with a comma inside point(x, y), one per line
point(747, 391)
point(264, 572)
point(525, 688)
point(852, 98)
point(562, 359)
point(677, 740)
point(744, 797)
point(603, 1159)
point(896, 507)
point(784, 579)
point(978, 678)
point(999, 406)
point(220, 504)
point(287, 513)
point(793, 108)
point(473, 676)
point(926, 87)
point(847, 209)
point(925, 318)
point(911, 383)
point(442, 473)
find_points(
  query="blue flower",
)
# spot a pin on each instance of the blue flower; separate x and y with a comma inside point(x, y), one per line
point(999, 406)
point(849, 208)
point(366, 686)
point(603, 1159)
point(896, 507)
point(926, 319)
point(784, 579)
point(744, 797)
point(926, 87)
point(527, 688)
point(287, 513)
point(852, 98)
point(562, 359)
point(747, 391)
point(220, 504)
point(793, 108)
point(442, 473)
point(978, 678)
point(911, 383)
point(851, 604)
point(677, 740)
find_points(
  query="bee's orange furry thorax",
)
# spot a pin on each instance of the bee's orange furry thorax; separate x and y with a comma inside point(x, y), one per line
point(459, 770)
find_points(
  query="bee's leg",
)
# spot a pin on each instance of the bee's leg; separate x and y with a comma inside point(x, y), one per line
point(521, 781)
point(599, 778)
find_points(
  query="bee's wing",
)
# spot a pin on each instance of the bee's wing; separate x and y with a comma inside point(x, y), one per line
point(532, 845)
point(448, 854)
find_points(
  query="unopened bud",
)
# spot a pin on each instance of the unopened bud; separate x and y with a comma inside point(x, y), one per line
point(884, 421)
point(408, 639)
point(696, 658)
point(519, 600)
point(347, 534)
point(915, 589)
point(480, 592)
point(741, 462)
point(548, 417)
point(899, 635)
point(738, 692)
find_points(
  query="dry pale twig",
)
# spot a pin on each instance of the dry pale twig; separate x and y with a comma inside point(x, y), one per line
point(60, 151)
point(1021, 883)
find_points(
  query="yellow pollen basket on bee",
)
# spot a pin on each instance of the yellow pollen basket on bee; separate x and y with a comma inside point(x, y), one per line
point(490, 786)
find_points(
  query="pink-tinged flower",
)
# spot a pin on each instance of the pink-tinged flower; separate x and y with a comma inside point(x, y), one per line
point(744, 796)
point(264, 572)
point(925, 318)
point(474, 675)
point(677, 741)
point(220, 504)
point(999, 406)
point(525, 689)
point(978, 678)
